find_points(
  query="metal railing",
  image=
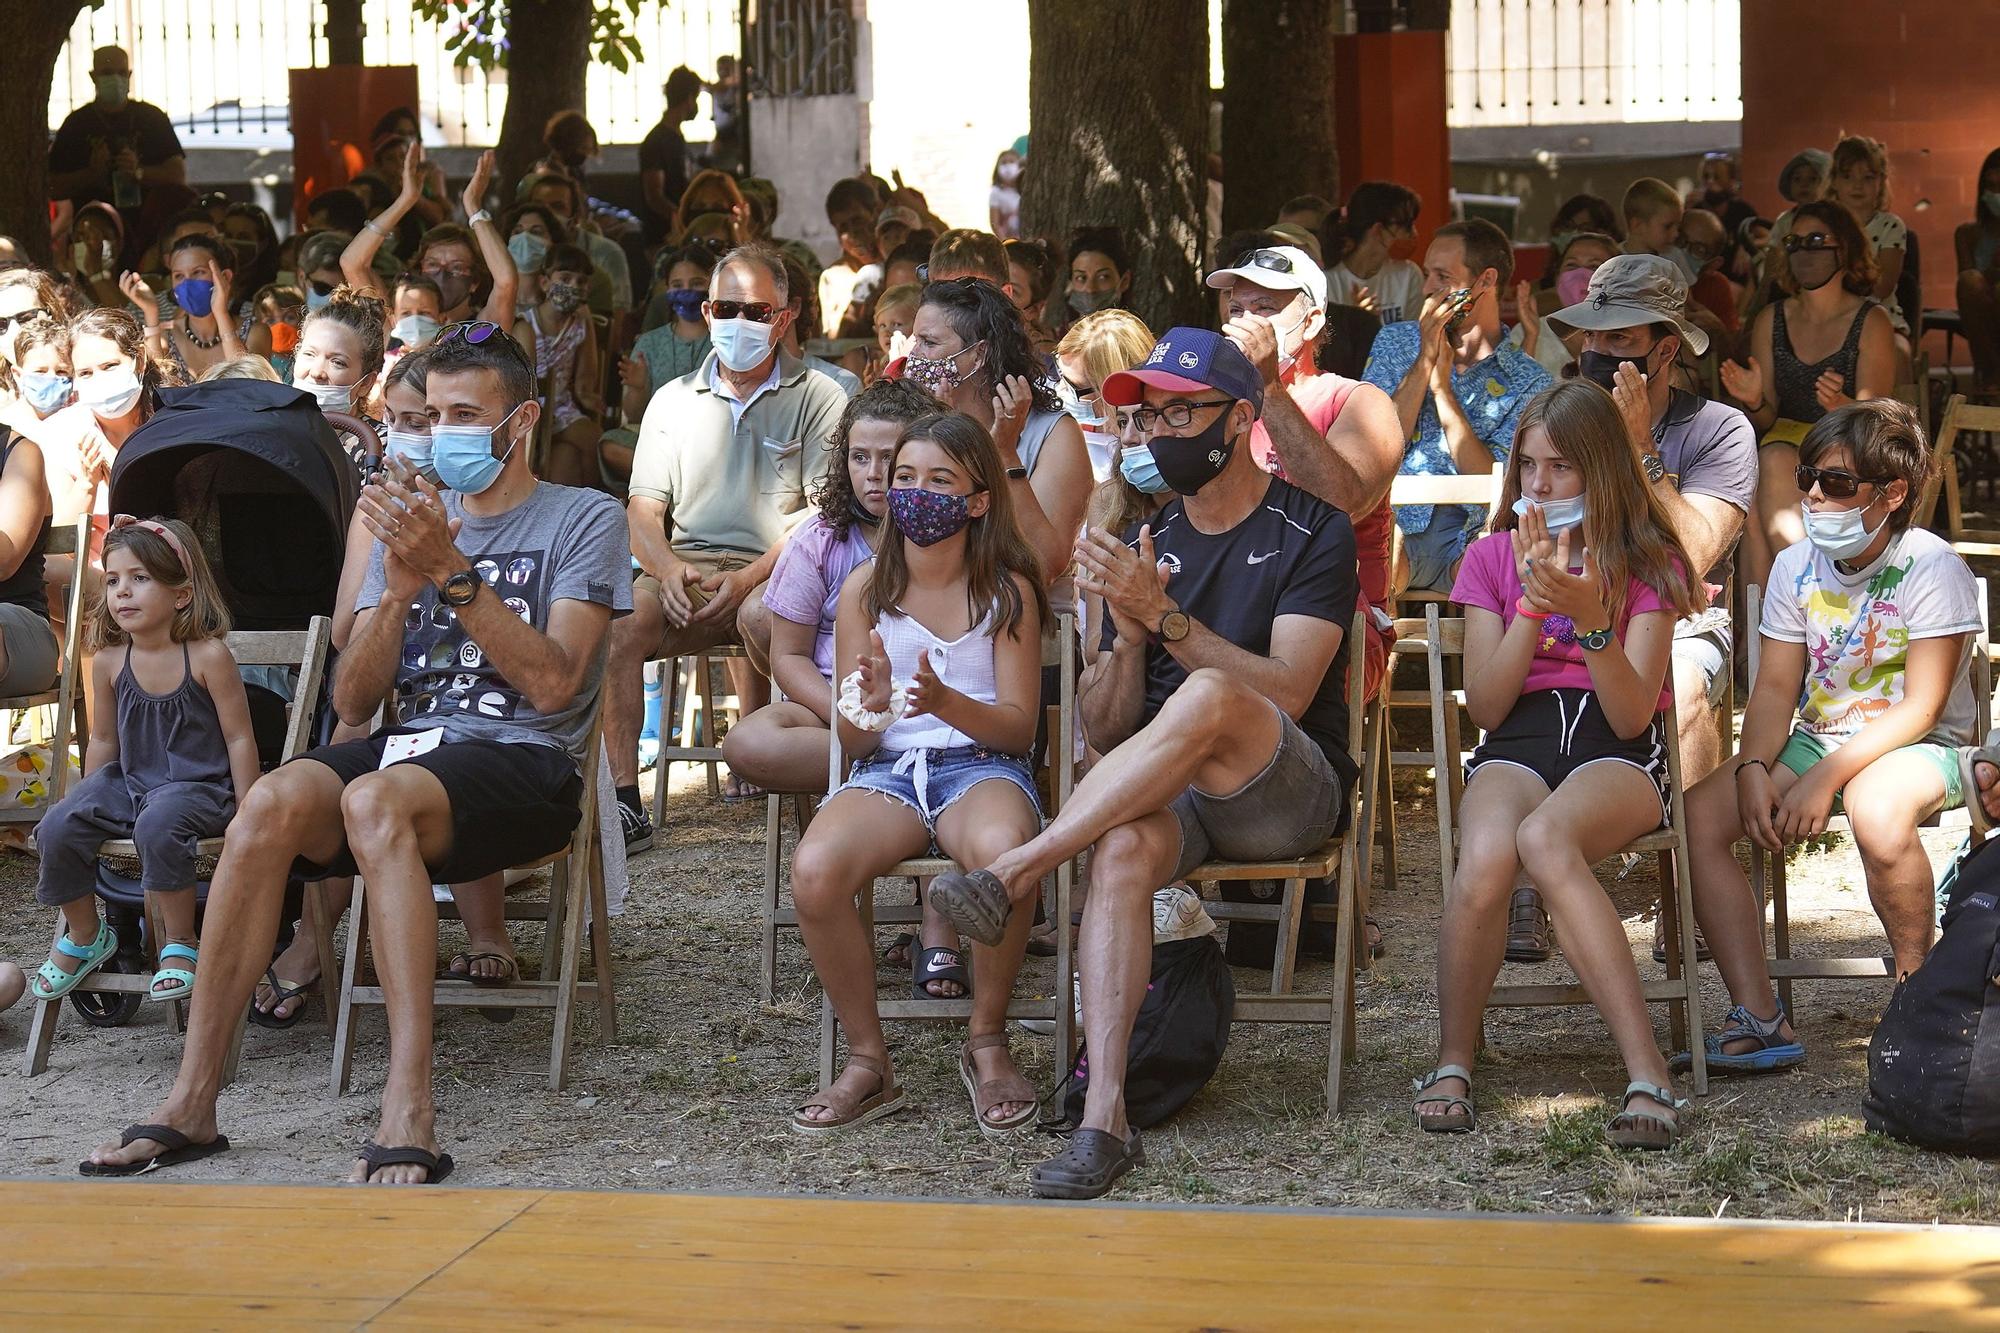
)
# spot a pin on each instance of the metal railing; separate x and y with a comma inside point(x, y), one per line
point(219, 68)
point(1568, 62)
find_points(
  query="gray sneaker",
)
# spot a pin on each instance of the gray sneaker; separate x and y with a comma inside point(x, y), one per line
point(637, 828)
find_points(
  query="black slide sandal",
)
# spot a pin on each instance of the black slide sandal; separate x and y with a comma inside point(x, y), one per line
point(926, 968)
point(178, 1147)
point(436, 1165)
point(1089, 1167)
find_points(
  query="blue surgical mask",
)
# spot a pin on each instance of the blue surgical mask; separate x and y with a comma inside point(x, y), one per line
point(44, 389)
point(196, 296)
point(316, 301)
point(1840, 534)
point(685, 302)
point(463, 455)
point(1560, 515)
point(1136, 463)
point(1078, 408)
point(528, 251)
point(414, 447)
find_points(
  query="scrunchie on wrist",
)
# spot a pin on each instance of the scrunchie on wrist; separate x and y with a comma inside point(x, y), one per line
point(850, 706)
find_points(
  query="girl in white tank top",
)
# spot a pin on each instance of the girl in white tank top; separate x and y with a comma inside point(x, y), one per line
point(937, 664)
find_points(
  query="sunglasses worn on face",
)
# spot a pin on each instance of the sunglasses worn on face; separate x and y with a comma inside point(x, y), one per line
point(1833, 484)
point(1817, 241)
point(23, 318)
point(757, 312)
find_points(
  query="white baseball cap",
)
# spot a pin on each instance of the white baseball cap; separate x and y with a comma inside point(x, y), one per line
point(1281, 268)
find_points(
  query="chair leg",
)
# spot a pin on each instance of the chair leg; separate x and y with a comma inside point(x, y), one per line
point(567, 882)
point(1386, 798)
point(705, 673)
point(320, 921)
point(1781, 924)
point(42, 1029)
point(1672, 926)
point(767, 952)
point(674, 694)
point(343, 1018)
point(1065, 987)
point(600, 949)
point(1347, 933)
point(1684, 896)
point(552, 929)
point(1291, 910)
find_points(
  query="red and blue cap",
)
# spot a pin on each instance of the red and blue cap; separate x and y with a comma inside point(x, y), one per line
point(1189, 360)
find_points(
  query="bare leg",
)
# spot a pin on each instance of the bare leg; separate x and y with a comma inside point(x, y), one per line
point(1701, 737)
point(1215, 734)
point(988, 820)
point(290, 813)
point(856, 836)
point(482, 906)
point(1979, 313)
point(81, 924)
point(1115, 952)
point(1472, 932)
point(780, 747)
point(634, 640)
point(175, 912)
point(398, 820)
point(1774, 521)
point(1731, 917)
point(298, 965)
point(1885, 802)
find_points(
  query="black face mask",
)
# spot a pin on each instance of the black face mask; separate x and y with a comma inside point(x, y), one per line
point(1601, 368)
point(862, 516)
point(1189, 462)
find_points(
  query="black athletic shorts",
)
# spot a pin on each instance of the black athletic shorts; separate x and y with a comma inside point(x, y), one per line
point(511, 802)
point(1553, 733)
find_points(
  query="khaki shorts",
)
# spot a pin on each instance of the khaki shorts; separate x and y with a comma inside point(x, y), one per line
point(692, 638)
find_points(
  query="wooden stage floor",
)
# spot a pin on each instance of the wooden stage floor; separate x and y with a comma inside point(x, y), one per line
point(161, 1256)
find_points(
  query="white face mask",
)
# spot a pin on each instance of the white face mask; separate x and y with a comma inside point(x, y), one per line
point(740, 344)
point(331, 397)
point(414, 330)
point(110, 394)
point(1840, 534)
point(1560, 515)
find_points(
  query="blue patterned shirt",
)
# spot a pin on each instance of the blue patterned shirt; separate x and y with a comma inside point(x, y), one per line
point(1492, 391)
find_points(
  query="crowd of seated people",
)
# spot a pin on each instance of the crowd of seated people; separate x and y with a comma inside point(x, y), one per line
point(883, 476)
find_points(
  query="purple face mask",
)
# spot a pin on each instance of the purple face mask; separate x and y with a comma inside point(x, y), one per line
point(927, 517)
point(936, 375)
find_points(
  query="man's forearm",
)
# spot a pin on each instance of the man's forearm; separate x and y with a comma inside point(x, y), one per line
point(1409, 396)
point(1113, 695)
point(367, 670)
point(1470, 453)
point(1310, 463)
point(531, 661)
point(1697, 531)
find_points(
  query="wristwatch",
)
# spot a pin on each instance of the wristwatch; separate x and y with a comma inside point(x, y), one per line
point(1174, 626)
point(1656, 466)
point(1596, 641)
point(460, 588)
point(481, 216)
point(1017, 474)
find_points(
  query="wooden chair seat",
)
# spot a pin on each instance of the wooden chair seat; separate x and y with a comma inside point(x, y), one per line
point(122, 855)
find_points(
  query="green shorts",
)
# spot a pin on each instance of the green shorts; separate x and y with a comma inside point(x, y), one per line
point(1803, 750)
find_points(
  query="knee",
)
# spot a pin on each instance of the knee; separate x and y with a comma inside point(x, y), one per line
point(268, 817)
point(1883, 833)
point(753, 624)
point(1203, 701)
point(820, 885)
point(633, 636)
point(1127, 858)
point(373, 814)
point(1481, 881)
point(1545, 847)
point(1972, 286)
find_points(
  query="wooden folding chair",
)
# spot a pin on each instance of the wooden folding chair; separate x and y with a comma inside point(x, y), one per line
point(1764, 867)
point(1433, 638)
point(1680, 991)
point(65, 699)
point(691, 696)
point(1960, 418)
point(1342, 858)
point(576, 887)
point(305, 649)
point(1059, 651)
point(1475, 489)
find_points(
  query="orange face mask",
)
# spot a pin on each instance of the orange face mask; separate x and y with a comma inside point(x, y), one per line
point(284, 338)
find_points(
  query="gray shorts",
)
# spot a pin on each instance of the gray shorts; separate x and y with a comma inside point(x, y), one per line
point(1291, 808)
point(1705, 643)
point(1433, 552)
point(32, 651)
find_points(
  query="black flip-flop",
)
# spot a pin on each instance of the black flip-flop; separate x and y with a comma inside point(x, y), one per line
point(925, 968)
point(905, 940)
point(436, 1165)
point(1089, 1167)
point(975, 901)
point(266, 1018)
point(178, 1148)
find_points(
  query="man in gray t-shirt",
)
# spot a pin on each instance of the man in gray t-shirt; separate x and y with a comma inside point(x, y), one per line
point(492, 604)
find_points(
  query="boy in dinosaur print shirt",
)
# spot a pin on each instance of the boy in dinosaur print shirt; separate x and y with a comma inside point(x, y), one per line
point(1863, 696)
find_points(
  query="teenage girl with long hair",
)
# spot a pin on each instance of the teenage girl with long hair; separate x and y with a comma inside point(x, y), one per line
point(1570, 602)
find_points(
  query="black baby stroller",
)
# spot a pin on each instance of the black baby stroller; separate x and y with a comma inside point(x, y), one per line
point(254, 469)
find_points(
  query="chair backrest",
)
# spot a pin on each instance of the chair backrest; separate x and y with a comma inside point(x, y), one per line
point(305, 649)
point(1471, 488)
point(1959, 416)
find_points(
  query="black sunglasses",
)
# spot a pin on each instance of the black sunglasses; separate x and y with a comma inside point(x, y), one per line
point(1833, 484)
point(479, 332)
point(1794, 242)
point(757, 312)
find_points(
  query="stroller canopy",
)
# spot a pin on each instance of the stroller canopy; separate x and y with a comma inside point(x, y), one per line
point(260, 476)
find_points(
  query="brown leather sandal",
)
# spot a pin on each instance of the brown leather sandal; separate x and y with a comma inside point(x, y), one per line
point(991, 1093)
point(849, 1111)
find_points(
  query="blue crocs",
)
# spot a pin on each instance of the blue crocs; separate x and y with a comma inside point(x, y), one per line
point(179, 979)
point(52, 983)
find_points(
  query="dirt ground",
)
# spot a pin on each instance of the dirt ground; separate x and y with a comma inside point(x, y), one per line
point(695, 1093)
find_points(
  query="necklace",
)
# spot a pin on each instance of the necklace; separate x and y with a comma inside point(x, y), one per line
point(187, 330)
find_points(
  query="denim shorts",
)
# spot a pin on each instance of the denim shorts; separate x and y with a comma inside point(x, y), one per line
point(1435, 552)
point(1704, 642)
point(930, 782)
point(1290, 809)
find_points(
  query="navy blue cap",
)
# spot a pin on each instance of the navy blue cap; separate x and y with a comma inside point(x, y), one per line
point(1189, 360)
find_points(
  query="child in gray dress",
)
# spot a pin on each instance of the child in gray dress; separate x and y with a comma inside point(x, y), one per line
point(171, 755)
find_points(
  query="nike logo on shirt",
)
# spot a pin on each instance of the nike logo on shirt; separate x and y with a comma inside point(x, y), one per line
point(1260, 559)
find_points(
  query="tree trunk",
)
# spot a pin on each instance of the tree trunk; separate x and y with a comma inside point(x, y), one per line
point(1277, 107)
point(1117, 108)
point(555, 37)
point(32, 33)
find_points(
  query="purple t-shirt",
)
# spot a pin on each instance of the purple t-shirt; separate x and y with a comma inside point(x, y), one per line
point(1487, 578)
point(805, 584)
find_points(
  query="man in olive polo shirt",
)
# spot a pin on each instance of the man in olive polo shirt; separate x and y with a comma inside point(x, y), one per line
point(727, 457)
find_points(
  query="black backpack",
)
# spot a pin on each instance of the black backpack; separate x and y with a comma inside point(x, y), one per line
point(1934, 1061)
point(1177, 1040)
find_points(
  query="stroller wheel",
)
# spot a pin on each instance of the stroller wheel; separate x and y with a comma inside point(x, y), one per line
point(102, 1010)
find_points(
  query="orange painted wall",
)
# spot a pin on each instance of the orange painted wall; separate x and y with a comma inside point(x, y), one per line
point(1389, 98)
point(1916, 74)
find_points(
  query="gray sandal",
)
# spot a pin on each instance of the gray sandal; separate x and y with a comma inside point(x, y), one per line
point(1968, 755)
point(975, 902)
point(1644, 1129)
point(1461, 1120)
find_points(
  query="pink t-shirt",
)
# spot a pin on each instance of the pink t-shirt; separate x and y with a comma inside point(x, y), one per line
point(804, 586)
point(1487, 578)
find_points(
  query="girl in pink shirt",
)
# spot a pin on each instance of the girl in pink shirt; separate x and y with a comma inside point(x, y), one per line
point(1570, 603)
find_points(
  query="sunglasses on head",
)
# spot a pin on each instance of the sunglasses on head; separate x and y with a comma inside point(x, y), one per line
point(757, 312)
point(1269, 259)
point(479, 332)
point(1832, 483)
point(1816, 241)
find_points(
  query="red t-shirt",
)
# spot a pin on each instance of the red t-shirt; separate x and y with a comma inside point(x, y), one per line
point(1715, 292)
point(1321, 397)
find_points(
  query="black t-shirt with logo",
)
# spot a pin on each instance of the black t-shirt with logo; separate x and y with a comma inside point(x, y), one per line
point(1292, 556)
